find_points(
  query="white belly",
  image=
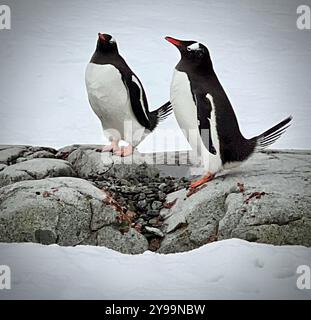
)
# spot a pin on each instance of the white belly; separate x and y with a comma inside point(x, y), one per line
point(186, 114)
point(109, 99)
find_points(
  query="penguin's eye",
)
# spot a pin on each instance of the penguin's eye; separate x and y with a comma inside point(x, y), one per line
point(188, 49)
point(111, 41)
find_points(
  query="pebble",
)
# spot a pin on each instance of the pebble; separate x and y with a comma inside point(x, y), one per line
point(157, 232)
point(142, 204)
point(162, 196)
point(144, 195)
point(156, 205)
point(153, 213)
point(145, 217)
point(162, 186)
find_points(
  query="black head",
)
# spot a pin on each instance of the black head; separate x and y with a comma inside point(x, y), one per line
point(193, 52)
point(106, 44)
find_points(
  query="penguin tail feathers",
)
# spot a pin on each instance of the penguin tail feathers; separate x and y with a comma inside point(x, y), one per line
point(270, 136)
point(161, 114)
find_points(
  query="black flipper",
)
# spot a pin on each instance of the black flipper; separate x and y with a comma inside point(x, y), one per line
point(204, 110)
point(138, 100)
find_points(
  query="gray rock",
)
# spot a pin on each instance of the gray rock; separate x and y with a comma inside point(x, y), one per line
point(142, 196)
point(131, 242)
point(9, 154)
point(64, 152)
point(34, 170)
point(89, 163)
point(156, 205)
point(162, 186)
point(155, 231)
point(71, 211)
point(67, 211)
point(41, 154)
point(21, 159)
point(153, 213)
point(55, 210)
point(280, 216)
point(14, 154)
point(142, 204)
point(161, 195)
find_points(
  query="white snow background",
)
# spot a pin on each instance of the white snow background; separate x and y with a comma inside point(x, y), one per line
point(262, 60)
point(229, 269)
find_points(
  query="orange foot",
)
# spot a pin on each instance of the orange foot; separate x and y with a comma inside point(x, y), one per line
point(124, 151)
point(113, 147)
point(206, 178)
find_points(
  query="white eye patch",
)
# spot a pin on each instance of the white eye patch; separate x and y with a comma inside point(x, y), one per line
point(112, 40)
point(194, 46)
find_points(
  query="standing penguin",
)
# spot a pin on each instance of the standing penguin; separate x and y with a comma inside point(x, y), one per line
point(118, 98)
point(201, 105)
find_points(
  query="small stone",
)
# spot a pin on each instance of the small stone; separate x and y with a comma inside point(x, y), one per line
point(124, 182)
point(162, 186)
point(141, 204)
point(155, 231)
point(22, 159)
point(153, 213)
point(142, 196)
point(156, 205)
point(140, 221)
point(151, 195)
point(154, 244)
point(144, 217)
point(162, 196)
point(154, 221)
point(131, 206)
point(138, 227)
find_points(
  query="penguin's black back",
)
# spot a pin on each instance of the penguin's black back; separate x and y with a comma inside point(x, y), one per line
point(203, 80)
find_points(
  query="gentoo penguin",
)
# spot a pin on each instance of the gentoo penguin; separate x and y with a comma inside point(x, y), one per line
point(118, 98)
point(201, 106)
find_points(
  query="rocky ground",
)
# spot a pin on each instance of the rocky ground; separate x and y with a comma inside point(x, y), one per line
point(78, 195)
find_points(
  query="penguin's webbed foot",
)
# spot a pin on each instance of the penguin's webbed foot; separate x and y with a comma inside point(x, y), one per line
point(107, 148)
point(125, 151)
point(208, 177)
point(113, 147)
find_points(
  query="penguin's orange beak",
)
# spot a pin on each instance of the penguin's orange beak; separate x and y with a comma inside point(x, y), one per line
point(173, 41)
point(101, 36)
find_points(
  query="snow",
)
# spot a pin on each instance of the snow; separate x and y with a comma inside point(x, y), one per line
point(261, 58)
point(229, 269)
